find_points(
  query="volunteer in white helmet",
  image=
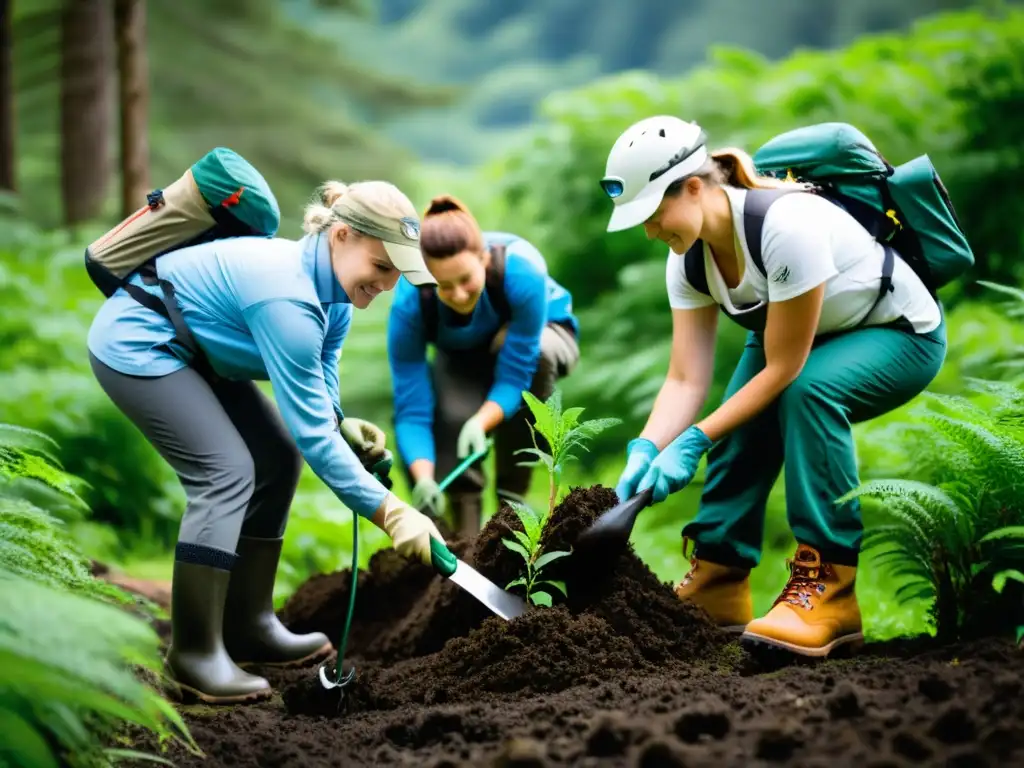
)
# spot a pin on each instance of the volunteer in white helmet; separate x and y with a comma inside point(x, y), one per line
point(830, 344)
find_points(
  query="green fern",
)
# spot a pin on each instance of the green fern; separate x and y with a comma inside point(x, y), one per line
point(69, 677)
point(943, 536)
point(70, 654)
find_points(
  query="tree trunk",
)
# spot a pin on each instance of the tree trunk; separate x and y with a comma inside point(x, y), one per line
point(130, 19)
point(7, 127)
point(86, 91)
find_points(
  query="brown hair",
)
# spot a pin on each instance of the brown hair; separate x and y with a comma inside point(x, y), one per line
point(449, 228)
point(735, 168)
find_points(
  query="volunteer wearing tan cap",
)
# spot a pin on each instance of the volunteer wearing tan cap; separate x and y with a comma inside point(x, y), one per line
point(260, 309)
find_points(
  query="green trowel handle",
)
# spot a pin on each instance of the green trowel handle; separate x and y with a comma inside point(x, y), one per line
point(466, 464)
point(442, 558)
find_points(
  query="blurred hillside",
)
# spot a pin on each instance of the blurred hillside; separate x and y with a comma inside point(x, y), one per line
point(507, 56)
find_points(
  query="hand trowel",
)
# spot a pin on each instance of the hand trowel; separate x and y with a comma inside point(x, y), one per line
point(504, 604)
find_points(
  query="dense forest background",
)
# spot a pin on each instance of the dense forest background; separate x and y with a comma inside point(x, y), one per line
point(513, 107)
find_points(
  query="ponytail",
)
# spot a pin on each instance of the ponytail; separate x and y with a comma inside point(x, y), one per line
point(449, 228)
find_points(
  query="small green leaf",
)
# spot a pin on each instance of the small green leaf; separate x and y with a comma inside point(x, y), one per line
point(524, 539)
point(515, 546)
point(549, 557)
point(520, 582)
point(559, 585)
point(541, 598)
point(1000, 579)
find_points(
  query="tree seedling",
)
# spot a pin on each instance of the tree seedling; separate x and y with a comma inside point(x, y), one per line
point(564, 432)
point(527, 546)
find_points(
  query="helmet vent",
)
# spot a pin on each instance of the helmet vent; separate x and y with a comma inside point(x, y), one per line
point(662, 133)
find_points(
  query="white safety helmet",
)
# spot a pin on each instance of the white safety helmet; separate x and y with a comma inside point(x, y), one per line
point(644, 161)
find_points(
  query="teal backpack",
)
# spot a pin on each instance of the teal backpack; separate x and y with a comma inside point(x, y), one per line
point(219, 196)
point(906, 207)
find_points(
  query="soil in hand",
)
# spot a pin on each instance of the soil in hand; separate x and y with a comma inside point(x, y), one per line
point(619, 673)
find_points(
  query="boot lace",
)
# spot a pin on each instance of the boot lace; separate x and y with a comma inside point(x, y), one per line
point(806, 581)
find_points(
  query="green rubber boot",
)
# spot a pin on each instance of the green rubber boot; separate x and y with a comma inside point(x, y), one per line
point(197, 659)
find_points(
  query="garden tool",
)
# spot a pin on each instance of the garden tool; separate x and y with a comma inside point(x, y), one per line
point(504, 604)
point(611, 531)
point(466, 464)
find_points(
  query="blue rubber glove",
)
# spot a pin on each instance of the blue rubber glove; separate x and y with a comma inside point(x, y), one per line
point(675, 467)
point(640, 452)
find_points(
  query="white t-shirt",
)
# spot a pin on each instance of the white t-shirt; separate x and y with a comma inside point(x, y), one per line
point(808, 241)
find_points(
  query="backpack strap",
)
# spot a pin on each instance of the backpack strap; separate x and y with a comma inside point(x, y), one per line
point(167, 306)
point(428, 312)
point(693, 265)
point(495, 282)
point(755, 208)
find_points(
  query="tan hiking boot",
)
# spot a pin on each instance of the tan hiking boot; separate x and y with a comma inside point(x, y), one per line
point(723, 591)
point(816, 612)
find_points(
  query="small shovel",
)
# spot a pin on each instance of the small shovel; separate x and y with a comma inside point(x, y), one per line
point(611, 531)
point(504, 604)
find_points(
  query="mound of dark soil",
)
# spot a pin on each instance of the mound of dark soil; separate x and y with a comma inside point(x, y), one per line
point(620, 673)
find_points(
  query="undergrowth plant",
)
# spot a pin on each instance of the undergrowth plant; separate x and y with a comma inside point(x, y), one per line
point(955, 536)
point(73, 660)
point(562, 433)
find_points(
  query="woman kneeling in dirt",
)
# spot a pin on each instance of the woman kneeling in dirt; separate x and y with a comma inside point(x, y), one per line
point(835, 348)
point(272, 309)
point(500, 325)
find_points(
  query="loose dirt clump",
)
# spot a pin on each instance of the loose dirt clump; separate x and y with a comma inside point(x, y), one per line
point(620, 674)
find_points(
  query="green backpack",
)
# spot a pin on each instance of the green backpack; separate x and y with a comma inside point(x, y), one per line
point(221, 195)
point(906, 207)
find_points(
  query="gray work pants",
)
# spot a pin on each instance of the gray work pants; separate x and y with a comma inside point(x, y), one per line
point(233, 455)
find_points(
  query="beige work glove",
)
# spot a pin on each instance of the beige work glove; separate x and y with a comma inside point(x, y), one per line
point(366, 439)
point(410, 530)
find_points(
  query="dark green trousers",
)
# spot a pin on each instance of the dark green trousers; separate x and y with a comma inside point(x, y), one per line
point(848, 378)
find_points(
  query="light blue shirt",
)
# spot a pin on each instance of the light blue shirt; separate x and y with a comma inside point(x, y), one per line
point(261, 309)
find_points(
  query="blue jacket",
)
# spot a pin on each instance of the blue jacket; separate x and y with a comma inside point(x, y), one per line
point(534, 298)
point(261, 309)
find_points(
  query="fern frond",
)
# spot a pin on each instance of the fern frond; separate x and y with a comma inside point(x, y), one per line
point(66, 662)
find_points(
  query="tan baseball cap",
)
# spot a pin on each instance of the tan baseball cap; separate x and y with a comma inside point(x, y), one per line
point(401, 237)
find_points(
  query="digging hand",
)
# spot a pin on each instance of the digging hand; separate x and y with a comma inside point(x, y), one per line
point(366, 439)
point(427, 494)
point(640, 452)
point(410, 530)
point(472, 437)
point(675, 467)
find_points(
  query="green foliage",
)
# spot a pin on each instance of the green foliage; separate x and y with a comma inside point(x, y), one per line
point(71, 656)
point(527, 546)
point(946, 536)
point(69, 678)
point(563, 433)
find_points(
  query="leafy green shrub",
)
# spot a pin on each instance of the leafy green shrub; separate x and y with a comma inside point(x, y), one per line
point(947, 536)
point(74, 662)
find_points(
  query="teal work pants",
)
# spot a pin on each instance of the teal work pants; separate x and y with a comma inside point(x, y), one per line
point(849, 377)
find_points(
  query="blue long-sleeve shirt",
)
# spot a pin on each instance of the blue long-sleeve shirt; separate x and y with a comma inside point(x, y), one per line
point(534, 298)
point(261, 309)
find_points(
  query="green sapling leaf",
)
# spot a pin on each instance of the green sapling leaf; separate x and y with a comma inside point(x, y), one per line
point(541, 598)
point(559, 585)
point(549, 557)
point(515, 546)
